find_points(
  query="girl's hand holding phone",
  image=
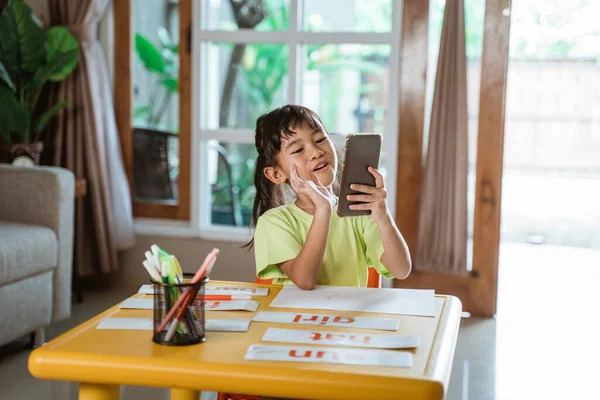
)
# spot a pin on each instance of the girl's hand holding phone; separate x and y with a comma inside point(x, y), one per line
point(321, 197)
point(373, 198)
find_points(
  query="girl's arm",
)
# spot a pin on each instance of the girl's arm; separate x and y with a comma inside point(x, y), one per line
point(303, 269)
point(395, 257)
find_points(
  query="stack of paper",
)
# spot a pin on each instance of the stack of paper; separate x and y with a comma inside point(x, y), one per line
point(327, 320)
point(387, 301)
point(330, 355)
point(212, 289)
point(146, 324)
point(225, 305)
point(348, 339)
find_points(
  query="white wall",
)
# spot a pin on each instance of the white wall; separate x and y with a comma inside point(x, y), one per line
point(234, 263)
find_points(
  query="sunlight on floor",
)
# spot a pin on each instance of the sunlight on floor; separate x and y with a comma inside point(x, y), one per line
point(547, 329)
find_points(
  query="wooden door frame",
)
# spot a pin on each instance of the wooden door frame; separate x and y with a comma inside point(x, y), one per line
point(124, 101)
point(478, 289)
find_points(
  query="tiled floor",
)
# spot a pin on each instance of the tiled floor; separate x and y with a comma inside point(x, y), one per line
point(542, 345)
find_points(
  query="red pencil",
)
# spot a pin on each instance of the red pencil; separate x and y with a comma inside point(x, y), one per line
point(210, 297)
point(186, 303)
point(185, 298)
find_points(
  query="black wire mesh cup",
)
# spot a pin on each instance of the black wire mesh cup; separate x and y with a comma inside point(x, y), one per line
point(190, 327)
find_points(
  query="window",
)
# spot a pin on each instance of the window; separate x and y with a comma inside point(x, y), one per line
point(337, 58)
point(196, 90)
point(153, 103)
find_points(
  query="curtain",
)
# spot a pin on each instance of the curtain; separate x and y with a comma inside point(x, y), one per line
point(84, 139)
point(442, 245)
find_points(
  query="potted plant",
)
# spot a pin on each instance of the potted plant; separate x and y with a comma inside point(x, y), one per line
point(29, 57)
point(155, 168)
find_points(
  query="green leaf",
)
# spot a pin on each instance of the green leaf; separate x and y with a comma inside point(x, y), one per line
point(37, 81)
point(171, 84)
point(149, 54)
point(14, 116)
point(22, 41)
point(4, 135)
point(48, 115)
point(63, 53)
point(5, 77)
point(60, 65)
point(140, 111)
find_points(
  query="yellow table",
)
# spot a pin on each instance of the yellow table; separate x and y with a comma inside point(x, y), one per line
point(101, 360)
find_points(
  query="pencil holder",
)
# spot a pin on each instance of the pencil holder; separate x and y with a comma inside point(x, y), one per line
point(177, 320)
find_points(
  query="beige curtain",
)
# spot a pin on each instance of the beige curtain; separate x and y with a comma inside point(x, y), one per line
point(85, 140)
point(443, 213)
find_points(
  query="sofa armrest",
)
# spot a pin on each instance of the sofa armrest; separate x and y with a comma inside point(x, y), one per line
point(44, 196)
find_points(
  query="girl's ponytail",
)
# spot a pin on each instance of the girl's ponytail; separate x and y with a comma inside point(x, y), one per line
point(268, 194)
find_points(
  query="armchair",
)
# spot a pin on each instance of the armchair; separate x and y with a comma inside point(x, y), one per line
point(36, 249)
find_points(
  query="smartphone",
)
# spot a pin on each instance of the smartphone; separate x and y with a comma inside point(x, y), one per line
point(361, 151)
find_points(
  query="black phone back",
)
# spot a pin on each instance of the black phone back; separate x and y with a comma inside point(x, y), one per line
point(360, 152)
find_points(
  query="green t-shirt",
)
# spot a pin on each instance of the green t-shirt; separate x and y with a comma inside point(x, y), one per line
point(353, 245)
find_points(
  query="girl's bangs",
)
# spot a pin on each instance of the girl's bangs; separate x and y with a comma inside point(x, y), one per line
point(299, 117)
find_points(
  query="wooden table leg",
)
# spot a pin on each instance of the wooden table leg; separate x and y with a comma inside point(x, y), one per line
point(94, 391)
point(185, 394)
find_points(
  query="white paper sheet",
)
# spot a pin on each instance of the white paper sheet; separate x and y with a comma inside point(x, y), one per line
point(388, 301)
point(145, 324)
point(349, 339)
point(327, 320)
point(148, 289)
point(224, 305)
point(330, 355)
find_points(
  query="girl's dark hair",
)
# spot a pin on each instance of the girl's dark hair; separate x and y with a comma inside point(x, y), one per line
point(270, 128)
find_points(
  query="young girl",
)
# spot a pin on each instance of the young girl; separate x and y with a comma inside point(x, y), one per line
point(305, 242)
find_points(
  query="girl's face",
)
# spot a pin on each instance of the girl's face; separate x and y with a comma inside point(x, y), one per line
point(312, 151)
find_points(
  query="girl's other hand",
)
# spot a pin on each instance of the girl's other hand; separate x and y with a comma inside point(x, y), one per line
point(373, 198)
point(320, 196)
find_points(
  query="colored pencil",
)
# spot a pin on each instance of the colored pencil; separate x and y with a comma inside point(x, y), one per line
point(190, 293)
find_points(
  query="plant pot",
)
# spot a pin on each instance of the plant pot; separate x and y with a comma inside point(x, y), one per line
point(151, 172)
point(12, 151)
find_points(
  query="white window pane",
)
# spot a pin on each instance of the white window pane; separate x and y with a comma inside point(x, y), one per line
point(260, 15)
point(348, 86)
point(348, 15)
point(246, 81)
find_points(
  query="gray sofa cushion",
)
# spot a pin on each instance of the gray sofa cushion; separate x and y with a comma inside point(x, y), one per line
point(25, 250)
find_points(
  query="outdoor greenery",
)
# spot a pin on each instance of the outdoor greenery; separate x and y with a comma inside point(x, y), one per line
point(30, 57)
point(161, 65)
point(241, 159)
point(555, 29)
